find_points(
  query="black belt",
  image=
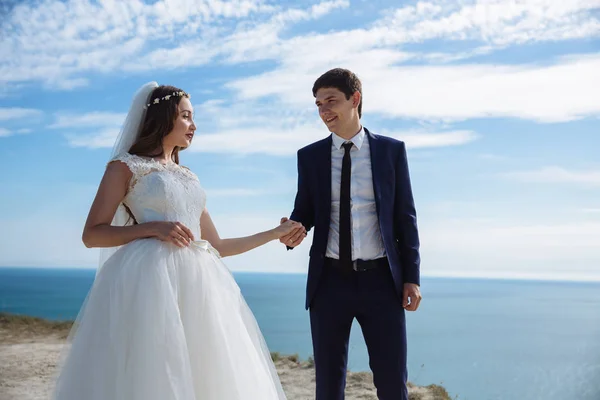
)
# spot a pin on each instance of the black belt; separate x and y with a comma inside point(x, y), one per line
point(358, 265)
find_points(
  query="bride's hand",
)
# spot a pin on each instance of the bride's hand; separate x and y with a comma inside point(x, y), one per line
point(287, 227)
point(294, 238)
point(172, 232)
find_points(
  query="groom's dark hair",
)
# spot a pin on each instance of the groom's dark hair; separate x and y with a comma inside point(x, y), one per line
point(342, 79)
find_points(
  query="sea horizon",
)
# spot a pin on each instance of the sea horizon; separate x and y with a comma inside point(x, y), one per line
point(550, 279)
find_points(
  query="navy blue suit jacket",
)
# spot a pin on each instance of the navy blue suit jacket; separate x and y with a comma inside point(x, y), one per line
point(393, 197)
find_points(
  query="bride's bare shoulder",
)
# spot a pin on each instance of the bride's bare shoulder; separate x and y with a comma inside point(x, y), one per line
point(118, 168)
point(129, 164)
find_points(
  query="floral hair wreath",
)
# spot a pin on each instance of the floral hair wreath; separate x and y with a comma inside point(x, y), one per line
point(167, 97)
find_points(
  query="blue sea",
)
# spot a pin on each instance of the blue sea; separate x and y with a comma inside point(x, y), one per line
point(481, 339)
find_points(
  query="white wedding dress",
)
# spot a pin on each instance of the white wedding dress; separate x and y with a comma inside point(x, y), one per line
point(162, 322)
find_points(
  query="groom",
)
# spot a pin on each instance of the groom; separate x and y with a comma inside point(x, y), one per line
point(354, 189)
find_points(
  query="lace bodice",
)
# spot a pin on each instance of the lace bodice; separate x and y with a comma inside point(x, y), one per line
point(159, 192)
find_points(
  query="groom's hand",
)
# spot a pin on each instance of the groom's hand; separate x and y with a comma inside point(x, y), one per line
point(294, 238)
point(411, 297)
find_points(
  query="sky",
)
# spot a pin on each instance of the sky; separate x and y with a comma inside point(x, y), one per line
point(498, 102)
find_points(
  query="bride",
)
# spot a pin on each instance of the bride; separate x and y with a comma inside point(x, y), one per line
point(164, 319)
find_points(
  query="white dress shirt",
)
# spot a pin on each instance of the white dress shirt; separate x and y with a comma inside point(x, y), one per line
point(366, 236)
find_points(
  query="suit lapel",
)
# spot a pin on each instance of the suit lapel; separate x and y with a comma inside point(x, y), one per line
point(324, 160)
point(374, 147)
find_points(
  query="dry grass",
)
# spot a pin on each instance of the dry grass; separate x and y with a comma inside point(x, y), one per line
point(18, 327)
point(438, 392)
point(362, 381)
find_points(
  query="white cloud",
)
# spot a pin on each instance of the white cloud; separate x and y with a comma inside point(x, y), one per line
point(489, 24)
point(104, 138)
point(95, 36)
point(421, 140)
point(497, 22)
point(100, 128)
point(68, 83)
point(237, 45)
point(555, 174)
point(545, 93)
point(277, 141)
point(6, 132)
point(491, 248)
point(321, 9)
point(12, 113)
point(132, 36)
point(286, 140)
point(553, 92)
point(91, 119)
point(264, 127)
point(491, 157)
point(259, 140)
point(318, 10)
point(245, 128)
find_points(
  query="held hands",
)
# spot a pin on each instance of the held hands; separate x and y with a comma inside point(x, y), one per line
point(411, 297)
point(172, 232)
point(288, 228)
point(295, 237)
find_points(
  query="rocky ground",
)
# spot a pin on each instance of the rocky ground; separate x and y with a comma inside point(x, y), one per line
point(30, 349)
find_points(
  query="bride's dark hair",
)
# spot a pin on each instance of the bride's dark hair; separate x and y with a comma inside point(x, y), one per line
point(158, 122)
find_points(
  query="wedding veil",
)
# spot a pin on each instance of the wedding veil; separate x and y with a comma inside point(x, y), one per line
point(127, 136)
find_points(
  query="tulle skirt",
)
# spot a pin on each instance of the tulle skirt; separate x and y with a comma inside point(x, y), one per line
point(164, 323)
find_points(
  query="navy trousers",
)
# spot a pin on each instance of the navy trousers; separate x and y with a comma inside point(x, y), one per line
point(370, 297)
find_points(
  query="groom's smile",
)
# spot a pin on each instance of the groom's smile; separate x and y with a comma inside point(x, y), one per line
point(338, 111)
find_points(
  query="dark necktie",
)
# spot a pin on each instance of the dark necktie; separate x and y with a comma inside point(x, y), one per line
point(345, 227)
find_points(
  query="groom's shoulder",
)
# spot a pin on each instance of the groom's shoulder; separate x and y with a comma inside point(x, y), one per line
point(387, 141)
point(315, 146)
